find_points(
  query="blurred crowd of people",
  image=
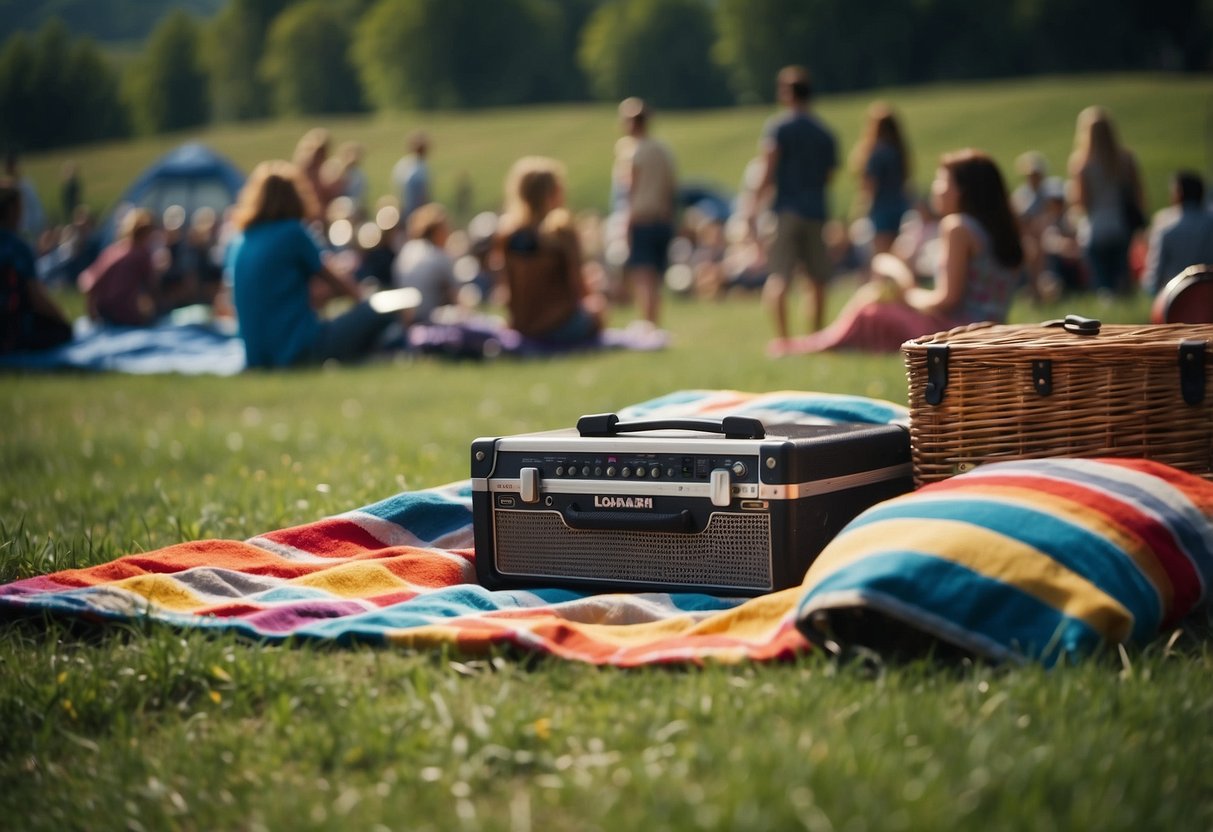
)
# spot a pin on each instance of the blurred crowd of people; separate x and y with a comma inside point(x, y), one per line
point(307, 233)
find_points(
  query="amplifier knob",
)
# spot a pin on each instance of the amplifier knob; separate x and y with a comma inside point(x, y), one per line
point(610, 470)
point(560, 470)
point(739, 469)
point(654, 472)
point(585, 470)
point(626, 472)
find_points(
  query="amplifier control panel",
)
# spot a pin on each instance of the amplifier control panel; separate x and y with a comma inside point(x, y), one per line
point(670, 467)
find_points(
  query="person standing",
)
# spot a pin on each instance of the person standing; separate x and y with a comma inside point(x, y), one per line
point(883, 164)
point(649, 185)
point(33, 218)
point(411, 175)
point(800, 154)
point(1106, 188)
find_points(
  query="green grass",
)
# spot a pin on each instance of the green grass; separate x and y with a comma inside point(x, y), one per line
point(1166, 119)
point(143, 727)
point(149, 728)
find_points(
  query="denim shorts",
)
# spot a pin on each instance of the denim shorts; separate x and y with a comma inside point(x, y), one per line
point(649, 245)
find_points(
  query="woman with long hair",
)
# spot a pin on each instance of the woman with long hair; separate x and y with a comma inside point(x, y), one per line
point(541, 258)
point(1106, 188)
point(980, 267)
point(271, 262)
point(882, 162)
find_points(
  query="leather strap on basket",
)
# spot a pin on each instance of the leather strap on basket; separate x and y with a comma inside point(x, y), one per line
point(1192, 370)
point(937, 373)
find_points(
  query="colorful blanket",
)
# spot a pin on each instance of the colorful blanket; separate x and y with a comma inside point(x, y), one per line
point(1026, 562)
point(1046, 559)
point(401, 571)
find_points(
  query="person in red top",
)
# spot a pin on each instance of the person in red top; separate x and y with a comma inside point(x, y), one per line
point(121, 286)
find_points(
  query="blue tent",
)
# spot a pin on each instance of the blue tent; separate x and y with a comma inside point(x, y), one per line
point(192, 176)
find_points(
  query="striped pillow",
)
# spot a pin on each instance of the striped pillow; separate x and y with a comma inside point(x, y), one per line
point(1039, 559)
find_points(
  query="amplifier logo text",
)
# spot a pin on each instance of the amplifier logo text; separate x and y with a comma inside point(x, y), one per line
point(623, 502)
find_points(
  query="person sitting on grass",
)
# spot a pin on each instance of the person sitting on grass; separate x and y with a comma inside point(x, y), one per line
point(270, 263)
point(123, 284)
point(423, 262)
point(29, 319)
point(979, 268)
point(541, 256)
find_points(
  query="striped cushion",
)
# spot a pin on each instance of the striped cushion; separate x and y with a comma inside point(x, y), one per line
point(1041, 559)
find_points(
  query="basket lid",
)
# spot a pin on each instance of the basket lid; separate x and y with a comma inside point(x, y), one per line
point(1071, 334)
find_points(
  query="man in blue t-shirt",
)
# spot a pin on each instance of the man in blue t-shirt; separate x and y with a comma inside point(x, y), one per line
point(801, 154)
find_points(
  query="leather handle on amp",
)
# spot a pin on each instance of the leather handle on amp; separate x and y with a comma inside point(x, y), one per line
point(733, 427)
point(628, 521)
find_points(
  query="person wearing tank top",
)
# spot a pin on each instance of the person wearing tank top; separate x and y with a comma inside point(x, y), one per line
point(980, 268)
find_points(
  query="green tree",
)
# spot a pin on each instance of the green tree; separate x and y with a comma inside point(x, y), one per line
point(16, 91)
point(457, 53)
point(657, 49)
point(98, 109)
point(56, 91)
point(307, 61)
point(234, 44)
point(167, 88)
point(759, 37)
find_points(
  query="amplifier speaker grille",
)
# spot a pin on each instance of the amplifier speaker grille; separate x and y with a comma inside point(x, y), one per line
point(733, 551)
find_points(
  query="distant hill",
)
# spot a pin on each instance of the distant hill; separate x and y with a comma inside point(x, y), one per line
point(110, 21)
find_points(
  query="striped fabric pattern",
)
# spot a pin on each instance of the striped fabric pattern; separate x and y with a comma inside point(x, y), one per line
point(402, 572)
point(1040, 559)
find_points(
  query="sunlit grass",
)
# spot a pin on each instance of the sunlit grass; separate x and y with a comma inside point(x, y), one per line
point(144, 727)
point(1164, 118)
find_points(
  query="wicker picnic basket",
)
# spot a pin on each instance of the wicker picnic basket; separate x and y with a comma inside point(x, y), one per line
point(987, 393)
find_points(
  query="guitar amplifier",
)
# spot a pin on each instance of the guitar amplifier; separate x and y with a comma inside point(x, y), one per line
point(729, 507)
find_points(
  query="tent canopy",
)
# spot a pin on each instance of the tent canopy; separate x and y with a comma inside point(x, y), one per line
point(192, 176)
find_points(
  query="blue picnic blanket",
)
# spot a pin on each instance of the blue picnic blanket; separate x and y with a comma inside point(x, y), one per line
point(167, 347)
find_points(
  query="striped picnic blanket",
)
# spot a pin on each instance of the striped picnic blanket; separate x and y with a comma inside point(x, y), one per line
point(401, 571)
point(976, 567)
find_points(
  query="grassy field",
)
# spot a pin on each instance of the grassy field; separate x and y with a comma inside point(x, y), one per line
point(149, 728)
point(1166, 119)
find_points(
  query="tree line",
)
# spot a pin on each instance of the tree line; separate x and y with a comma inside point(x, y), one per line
point(264, 58)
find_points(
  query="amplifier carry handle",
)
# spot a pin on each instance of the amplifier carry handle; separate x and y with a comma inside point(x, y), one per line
point(628, 521)
point(733, 427)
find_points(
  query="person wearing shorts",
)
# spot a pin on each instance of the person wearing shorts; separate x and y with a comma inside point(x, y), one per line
point(645, 169)
point(800, 154)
